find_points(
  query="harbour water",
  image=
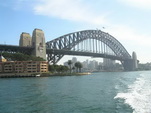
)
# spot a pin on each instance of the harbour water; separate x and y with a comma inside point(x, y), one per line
point(105, 92)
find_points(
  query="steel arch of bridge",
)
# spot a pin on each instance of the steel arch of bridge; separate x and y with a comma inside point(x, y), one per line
point(58, 47)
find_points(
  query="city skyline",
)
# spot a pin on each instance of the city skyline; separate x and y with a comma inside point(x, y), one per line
point(126, 20)
point(93, 65)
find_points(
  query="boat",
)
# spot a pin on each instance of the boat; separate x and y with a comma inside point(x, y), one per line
point(38, 75)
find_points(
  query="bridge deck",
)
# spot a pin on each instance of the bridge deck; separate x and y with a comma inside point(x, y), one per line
point(15, 48)
point(80, 53)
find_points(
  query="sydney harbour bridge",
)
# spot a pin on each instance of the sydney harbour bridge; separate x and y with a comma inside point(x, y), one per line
point(93, 43)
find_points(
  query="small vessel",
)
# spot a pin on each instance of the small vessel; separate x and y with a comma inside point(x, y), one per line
point(38, 75)
point(88, 73)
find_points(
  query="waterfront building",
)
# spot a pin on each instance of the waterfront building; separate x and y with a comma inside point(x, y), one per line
point(1, 68)
point(23, 67)
point(19, 67)
point(2, 59)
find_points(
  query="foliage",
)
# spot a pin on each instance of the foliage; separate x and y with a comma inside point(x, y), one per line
point(73, 68)
point(63, 68)
point(21, 57)
point(51, 68)
point(70, 63)
point(58, 68)
point(78, 65)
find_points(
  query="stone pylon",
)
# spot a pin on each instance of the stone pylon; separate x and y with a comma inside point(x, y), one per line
point(38, 42)
point(25, 40)
point(135, 62)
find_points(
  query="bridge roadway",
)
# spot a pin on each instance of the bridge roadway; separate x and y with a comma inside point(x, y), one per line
point(28, 50)
point(15, 48)
point(83, 53)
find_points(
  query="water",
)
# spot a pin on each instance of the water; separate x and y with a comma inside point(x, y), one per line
point(106, 92)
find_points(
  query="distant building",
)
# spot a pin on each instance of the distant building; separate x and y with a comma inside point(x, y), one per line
point(108, 64)
point(23, 67)
point(74, 60)
point(92, 65)
point(85, 64)
point(66, 64)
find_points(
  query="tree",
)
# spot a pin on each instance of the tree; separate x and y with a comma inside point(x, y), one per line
point(73, 68)
point(51, 68)
point(58, 68)
point(21, 57)
point(70, 63)
point(64, 68)
point(78, 65)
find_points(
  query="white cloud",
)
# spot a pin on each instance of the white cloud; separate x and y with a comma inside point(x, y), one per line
point(128, 33)
point(73, 10)
point(143, 4)
point(84, 12)
point(133, 40)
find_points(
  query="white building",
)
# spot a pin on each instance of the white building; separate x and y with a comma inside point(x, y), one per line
point(74, 60)
point(108, 64)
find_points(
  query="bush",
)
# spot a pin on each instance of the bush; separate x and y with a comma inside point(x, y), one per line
point(21, 57)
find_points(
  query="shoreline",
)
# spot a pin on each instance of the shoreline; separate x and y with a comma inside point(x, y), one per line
point(23, 75)
point(16, 75)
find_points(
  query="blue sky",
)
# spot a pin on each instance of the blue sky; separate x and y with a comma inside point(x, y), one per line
point(129, 21)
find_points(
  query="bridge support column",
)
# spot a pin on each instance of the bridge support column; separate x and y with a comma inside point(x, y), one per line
point(131, 64)
point(128, 65)
point(38, 42)
point(25, 40)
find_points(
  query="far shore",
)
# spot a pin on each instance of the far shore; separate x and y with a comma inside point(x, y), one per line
point(18, 75)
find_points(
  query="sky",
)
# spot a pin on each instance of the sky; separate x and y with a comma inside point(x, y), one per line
point(129, 21)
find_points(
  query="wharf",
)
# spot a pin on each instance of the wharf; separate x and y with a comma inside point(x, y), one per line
point(16, 75)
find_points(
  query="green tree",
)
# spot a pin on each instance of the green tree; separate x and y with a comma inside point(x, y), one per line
point(51, 68)
point(78, 66)
point(21, 57)
point(64, 68)
point(73, 68)
point(70, 63)
point(57, 68)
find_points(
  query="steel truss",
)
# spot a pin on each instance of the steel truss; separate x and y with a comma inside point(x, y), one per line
point(91, 40)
